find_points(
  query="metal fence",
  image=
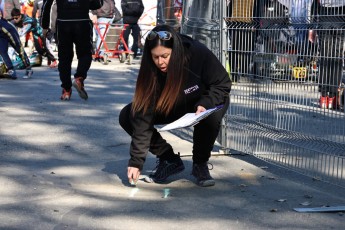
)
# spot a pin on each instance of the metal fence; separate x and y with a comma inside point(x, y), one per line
point(286, 60)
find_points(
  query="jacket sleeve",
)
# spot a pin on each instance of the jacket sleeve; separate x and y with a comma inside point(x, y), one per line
point(45, 14)
point(215, 78)
point(141, 138)
point(26, 28)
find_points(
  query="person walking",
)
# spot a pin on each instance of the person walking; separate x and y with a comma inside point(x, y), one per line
point(177, 75)
point(9, 36)
point(131, 12)
point(73, 27)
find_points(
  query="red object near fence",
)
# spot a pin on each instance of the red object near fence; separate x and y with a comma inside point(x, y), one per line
point(112, 44)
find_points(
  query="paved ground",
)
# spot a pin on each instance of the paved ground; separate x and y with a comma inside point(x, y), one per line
point(63, 166)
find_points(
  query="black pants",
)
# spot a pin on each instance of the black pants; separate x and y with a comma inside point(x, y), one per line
point(78, 33)
point(204, 135)
point(135, 33)
point(331, 38)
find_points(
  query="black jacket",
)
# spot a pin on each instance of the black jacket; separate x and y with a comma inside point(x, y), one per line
point(66, 11)
point(131, 11)
point(208, 85)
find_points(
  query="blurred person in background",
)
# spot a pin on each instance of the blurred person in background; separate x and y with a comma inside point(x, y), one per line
point(27, 8)
point(29, 24)
point(330, 18)
point(9, 36)
point(131, 12)
point(36, 12)
point(101, 18)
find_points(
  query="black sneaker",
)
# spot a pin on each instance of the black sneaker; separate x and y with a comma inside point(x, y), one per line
point(164, 169)
point(202, 174)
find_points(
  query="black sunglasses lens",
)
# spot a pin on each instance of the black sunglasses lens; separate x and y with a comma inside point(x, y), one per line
point(152, 35)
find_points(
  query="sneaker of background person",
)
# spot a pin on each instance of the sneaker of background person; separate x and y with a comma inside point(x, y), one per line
point(66, 95)
point(78, 84)
point(330, 102)
point(164, 169)
point(11, 73)
point(105, 59)
point(53, 64)
point(28, 73)
point(323, 102)
point(202, 175)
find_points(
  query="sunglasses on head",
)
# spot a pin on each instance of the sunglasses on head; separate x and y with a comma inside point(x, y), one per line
point(163, 35)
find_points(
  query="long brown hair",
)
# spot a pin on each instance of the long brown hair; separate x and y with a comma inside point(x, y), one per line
point(146, 86)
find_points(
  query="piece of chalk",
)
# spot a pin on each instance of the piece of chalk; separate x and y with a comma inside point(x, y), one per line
point(149, 179)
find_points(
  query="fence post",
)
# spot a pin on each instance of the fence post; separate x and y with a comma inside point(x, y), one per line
point(223, 59)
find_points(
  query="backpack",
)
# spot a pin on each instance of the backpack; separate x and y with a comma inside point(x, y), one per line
point(136, 7)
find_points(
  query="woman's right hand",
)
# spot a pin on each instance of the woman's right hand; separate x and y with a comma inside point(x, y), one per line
point(133, 175)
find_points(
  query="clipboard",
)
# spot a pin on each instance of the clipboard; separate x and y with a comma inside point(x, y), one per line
point(189, 119)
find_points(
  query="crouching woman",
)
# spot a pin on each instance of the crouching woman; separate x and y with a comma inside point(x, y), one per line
point(177, 75)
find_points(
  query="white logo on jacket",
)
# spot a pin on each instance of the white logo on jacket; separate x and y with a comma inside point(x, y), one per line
point(191, 89)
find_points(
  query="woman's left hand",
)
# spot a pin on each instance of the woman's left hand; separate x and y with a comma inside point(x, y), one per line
point(200, 109)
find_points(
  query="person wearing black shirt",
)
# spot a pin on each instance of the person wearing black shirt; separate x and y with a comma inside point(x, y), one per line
point(131, 12)
point(73, 27)
point(177, 75)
